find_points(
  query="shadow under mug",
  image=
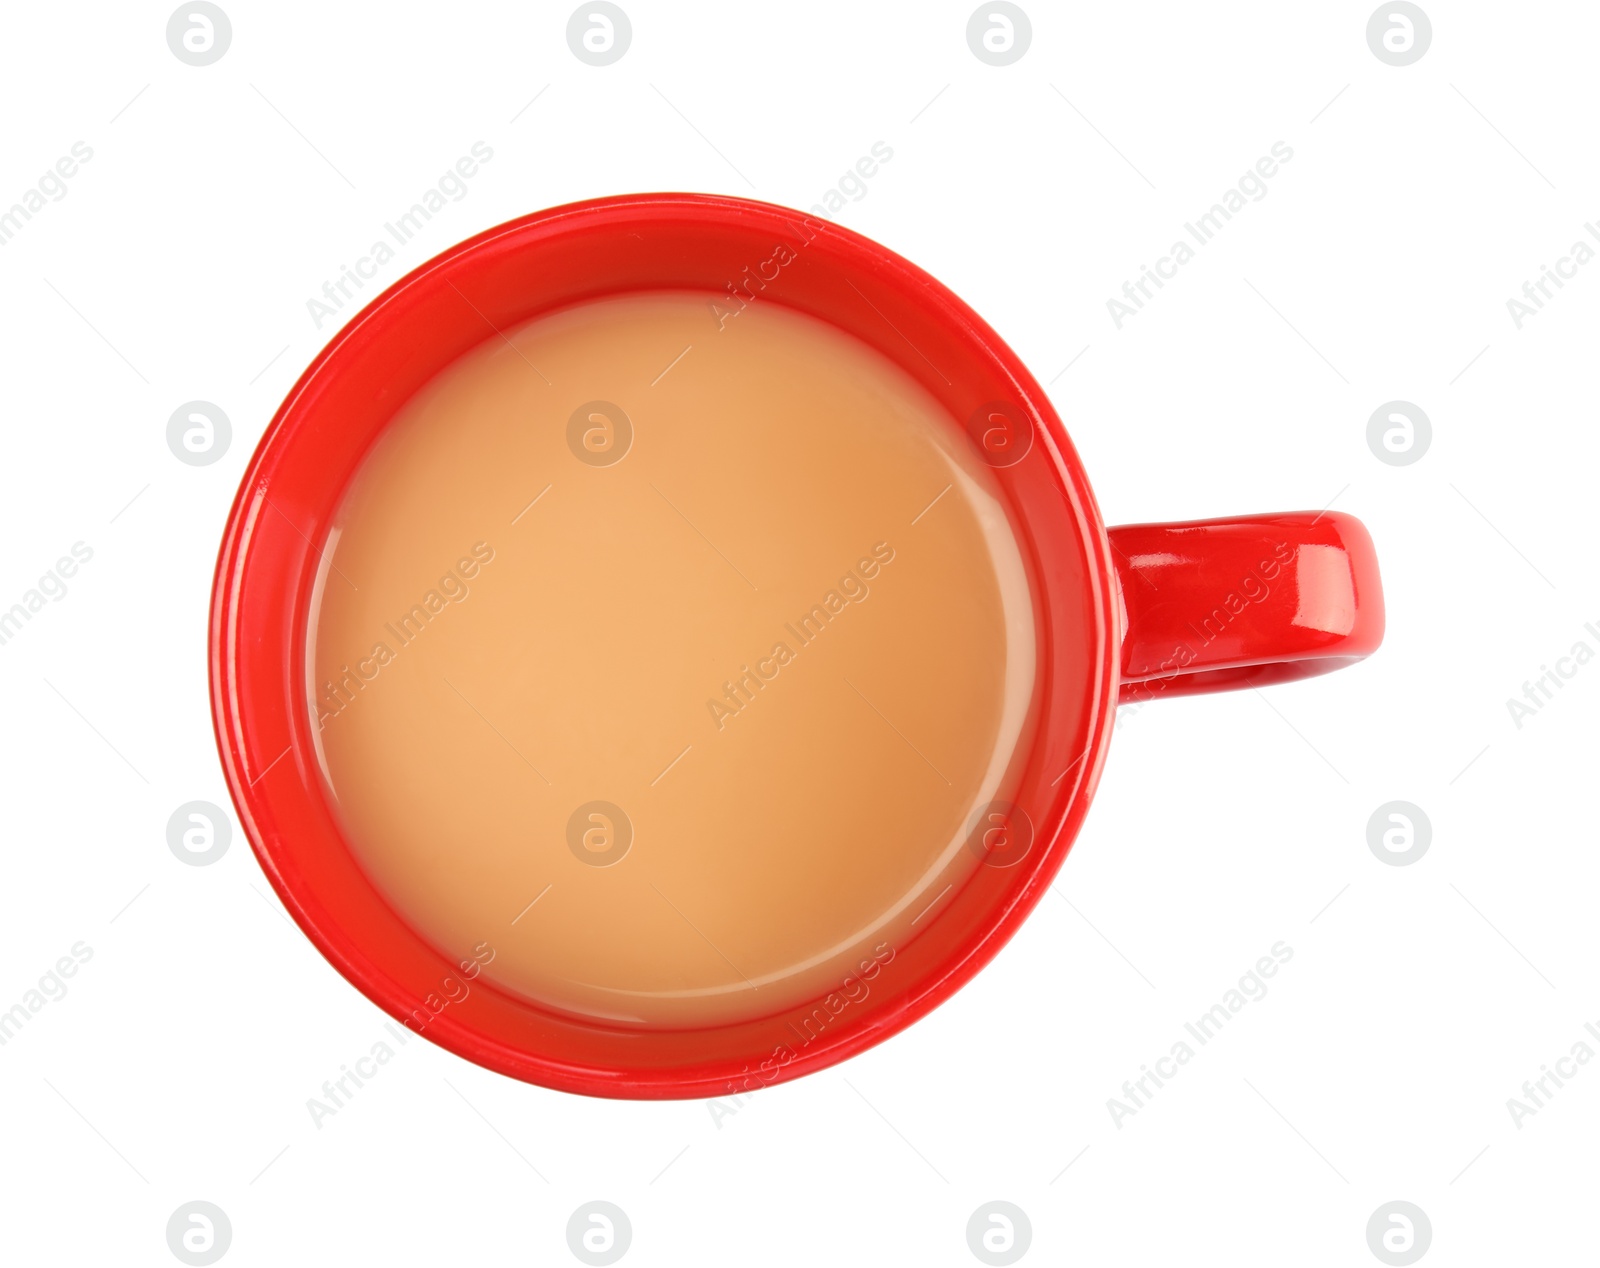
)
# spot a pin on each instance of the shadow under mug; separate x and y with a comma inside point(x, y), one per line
point(1132, 614)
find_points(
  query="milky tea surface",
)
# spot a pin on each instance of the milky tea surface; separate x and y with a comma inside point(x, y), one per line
point(661, 669)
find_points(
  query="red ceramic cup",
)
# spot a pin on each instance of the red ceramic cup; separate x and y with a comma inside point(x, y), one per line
point(1129, 614)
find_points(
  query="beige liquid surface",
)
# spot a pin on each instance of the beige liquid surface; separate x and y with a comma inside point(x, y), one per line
point(785, 640)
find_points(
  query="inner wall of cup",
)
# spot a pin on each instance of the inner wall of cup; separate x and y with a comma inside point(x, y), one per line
point(394, 349)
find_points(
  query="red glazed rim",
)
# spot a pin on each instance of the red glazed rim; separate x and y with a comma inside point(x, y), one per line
point(462, 297)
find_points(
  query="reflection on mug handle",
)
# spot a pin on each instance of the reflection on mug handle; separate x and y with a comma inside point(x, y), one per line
point(1213, 605)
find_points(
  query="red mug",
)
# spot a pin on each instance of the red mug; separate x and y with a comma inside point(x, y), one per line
point(1129, 614)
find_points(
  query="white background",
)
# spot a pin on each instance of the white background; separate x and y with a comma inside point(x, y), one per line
point(178, 265)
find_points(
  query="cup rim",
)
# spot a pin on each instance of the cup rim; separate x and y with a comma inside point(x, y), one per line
point(359, 965)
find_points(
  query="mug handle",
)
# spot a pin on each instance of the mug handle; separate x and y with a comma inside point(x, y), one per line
point(1215, 605)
